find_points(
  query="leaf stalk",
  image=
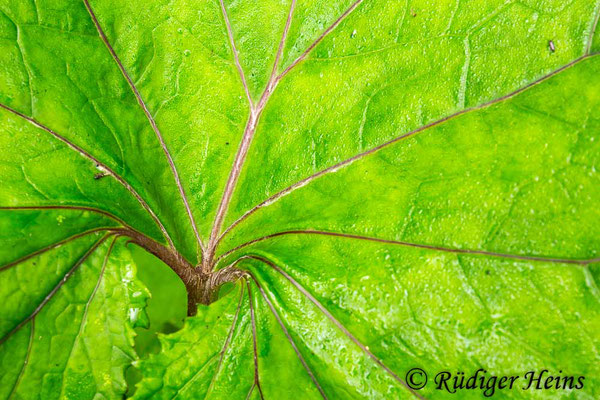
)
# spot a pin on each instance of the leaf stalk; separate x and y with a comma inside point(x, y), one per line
point(202, 287)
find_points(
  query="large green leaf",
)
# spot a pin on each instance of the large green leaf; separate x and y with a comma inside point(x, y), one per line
point(387, 185)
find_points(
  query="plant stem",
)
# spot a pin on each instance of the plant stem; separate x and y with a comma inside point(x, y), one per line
point(201, 287)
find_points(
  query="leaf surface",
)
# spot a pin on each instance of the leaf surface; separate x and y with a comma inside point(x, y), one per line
point(67, 321)
point(401, 184)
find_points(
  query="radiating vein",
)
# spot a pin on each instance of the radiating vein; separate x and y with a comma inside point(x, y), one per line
point(55, 289)
point(254, 346)
point(53, 246)
point(230, 186)
point(286, 30)
point(250, 391)
point(247, 136)
point(62, 207)
point(87, 304)
point(337, 323)
point(168, 255)
point(99, 163)
point(150, 119)
point(226, 344)
point(376, 149)
point(236, 57)
point(198, 372)
point(590, 40)
point(253, 118)
point(288, 336)
point(320, 38)
point(416, 245)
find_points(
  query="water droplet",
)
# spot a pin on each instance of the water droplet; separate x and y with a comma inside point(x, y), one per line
point(187, 53)
point(134, 314)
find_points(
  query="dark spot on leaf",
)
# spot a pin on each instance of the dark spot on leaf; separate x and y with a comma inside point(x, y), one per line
point(99, 176)
point(413, 13)
point(487, 271)
point(227, 143)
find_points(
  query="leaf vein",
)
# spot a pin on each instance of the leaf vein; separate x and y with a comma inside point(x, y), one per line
point(99, 163)
point(415, 245)
point(55, 289)
point(337, 323)
point(593, 28)
point(253, 118)
point(226, 344)
point(53, 246)
point(87, 306)
point(150, 119)
point(320, 38)
point(236, 57)
point(275, 197)
point(288, 336)
point(254, 346)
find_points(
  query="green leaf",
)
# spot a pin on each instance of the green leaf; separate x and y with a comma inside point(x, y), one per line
point(67, 321)
point(351, 189)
